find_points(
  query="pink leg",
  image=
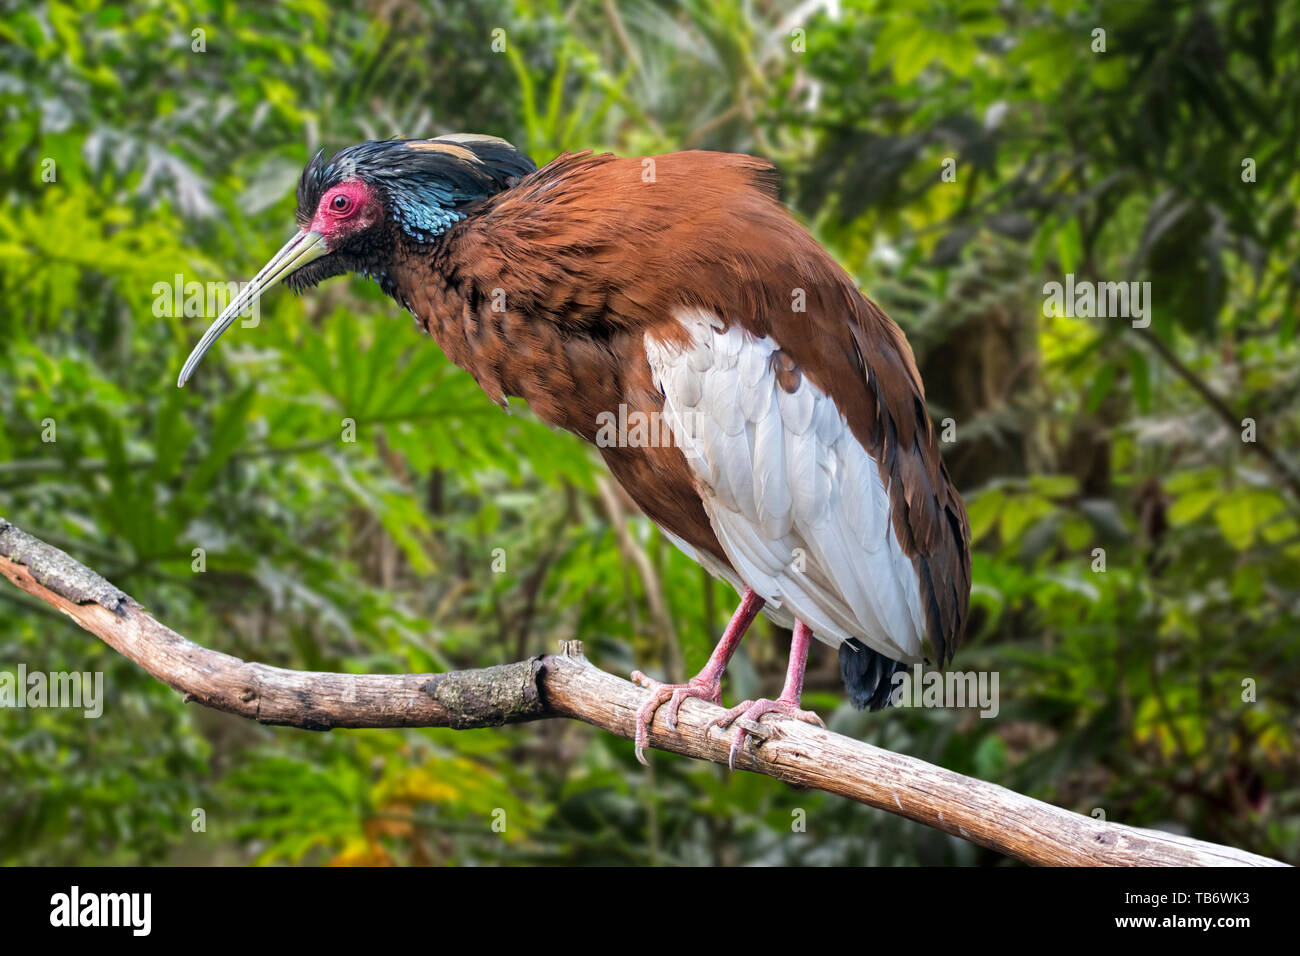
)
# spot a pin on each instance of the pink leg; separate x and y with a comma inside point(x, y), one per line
point(787, 703)
point(707, 684)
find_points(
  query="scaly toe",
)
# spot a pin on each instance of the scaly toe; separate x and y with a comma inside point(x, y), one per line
point(703, 691)
point(673, 695)
point(753, 711)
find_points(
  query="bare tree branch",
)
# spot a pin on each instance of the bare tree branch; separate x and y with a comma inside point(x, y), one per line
point(567, 685)
point(1284, 469)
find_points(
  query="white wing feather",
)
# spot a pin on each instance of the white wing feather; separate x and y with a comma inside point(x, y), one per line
point(796, 502)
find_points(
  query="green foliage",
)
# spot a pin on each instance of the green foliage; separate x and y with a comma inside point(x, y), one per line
point(1162, 690)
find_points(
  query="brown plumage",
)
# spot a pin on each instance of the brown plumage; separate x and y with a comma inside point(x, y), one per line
point(677, 286)
point(589, 256)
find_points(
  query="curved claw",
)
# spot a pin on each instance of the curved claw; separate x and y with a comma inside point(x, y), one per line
point(752, 712)
point(673, 695)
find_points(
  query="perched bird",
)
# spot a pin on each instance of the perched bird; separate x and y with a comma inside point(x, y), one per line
point(800, 465)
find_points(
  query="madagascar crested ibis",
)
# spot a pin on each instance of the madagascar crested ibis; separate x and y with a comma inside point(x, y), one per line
point(802, 466)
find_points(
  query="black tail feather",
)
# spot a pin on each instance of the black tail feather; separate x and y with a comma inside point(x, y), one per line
point(868, 675)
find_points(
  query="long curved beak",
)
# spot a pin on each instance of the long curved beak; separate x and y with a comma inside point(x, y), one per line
point(303, 248)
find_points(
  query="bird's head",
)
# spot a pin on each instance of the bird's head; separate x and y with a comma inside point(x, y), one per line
point(358, 206)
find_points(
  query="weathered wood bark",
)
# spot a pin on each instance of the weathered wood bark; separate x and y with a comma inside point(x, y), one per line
point(567, 685)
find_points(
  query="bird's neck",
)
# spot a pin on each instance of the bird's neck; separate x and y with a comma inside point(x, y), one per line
point(490, 323)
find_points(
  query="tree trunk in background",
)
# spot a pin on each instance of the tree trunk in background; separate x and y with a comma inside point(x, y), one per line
point(977, 352)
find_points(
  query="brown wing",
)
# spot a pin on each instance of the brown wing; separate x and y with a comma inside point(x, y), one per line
point(591, 252)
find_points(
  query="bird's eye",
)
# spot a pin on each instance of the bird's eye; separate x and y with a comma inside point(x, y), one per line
point(341, 203)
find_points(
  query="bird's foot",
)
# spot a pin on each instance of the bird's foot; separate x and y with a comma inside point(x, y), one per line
point(673, 695)
point(750, 712)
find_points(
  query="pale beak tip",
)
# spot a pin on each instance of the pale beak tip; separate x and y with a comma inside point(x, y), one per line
point(303, 248)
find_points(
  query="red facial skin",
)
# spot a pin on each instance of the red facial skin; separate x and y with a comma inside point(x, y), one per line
point(344, 209)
